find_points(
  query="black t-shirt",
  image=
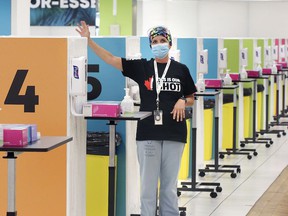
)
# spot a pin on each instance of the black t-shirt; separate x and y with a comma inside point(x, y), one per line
point(178, 82)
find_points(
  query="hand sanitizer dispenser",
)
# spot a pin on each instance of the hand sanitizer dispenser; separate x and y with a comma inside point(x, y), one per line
point(274, 68)
point(78, 83)
point(243, 73)
point(259, 68)
point(78, 77)
point(127, 104)
point(200, 83)
point(227, 79)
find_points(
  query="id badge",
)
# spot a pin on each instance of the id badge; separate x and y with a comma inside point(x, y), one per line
point(158, 117)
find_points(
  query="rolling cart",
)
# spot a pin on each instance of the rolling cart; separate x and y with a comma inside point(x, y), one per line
point(277, 117)
point(267, 127)
point(234, 150)
point(112, 122)
point(216, 167)
point(197, 186)
point(254, 139)
point(285, 109)
point(283, 72)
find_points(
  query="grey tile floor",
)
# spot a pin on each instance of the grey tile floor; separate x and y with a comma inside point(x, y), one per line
point(241, 193)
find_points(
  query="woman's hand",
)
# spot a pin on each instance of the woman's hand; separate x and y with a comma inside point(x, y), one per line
point(83, 29)
point(178, 111)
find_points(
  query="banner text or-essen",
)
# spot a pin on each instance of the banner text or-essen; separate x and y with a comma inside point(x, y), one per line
point(63, 12)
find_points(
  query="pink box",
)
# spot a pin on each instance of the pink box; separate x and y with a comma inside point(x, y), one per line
point(213, 83)
point(102, 109)
point(279, 66)
point(284, 64)
point(16, 137)
point(253, 73)
point(235, 76)
point(266, 71)
point(31, 130)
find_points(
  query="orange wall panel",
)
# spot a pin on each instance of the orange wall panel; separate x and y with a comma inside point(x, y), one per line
point(40, 177)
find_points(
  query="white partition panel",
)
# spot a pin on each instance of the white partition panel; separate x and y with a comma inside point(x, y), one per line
point(76, 151)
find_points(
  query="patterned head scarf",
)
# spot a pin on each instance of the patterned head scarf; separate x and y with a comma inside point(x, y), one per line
point(160, 30)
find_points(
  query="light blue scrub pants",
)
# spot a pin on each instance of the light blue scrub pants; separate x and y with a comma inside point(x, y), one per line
point(159, 159)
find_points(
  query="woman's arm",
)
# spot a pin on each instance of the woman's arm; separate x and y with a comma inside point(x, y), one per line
point(179, 108)
point(189, 100)
point(105, 55)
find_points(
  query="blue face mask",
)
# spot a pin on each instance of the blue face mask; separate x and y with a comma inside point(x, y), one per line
point(160, 50)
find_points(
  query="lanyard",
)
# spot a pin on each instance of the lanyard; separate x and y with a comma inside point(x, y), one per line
point(159, 82)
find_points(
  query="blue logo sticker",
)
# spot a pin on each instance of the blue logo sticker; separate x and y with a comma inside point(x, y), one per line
point(221, 56)
point(201, 59)
point(75, 72)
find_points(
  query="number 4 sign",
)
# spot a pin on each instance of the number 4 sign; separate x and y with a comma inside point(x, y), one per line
point(29, 100)
point(33, 80)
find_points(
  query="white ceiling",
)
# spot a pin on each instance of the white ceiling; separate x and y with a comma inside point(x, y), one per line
point(218, 0)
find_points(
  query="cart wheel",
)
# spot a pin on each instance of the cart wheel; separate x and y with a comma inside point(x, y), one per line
point(255, 153)
point(284, 133)
point(221, 156)
point(271, 142)
point(233, 175)
point(202, 174)
point(257, 135)
point(267, 145)
point(249, 157)
point(278, 135)
point(238, 170)
point(182, 213)
point(184, 186)
point(178, 193)
point(219, 189)
point(213, 194)
point(242, 145)
point(261, 133)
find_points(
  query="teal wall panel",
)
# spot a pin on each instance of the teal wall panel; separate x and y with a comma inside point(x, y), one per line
point(5, 17)
point(113, 83)
point(211, 44)
point(145, 48)
point(188, 54)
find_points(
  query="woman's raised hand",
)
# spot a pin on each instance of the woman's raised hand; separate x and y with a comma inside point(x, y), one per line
point(83, 29)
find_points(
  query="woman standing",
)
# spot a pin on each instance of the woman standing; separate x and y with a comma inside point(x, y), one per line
point(166, 88)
